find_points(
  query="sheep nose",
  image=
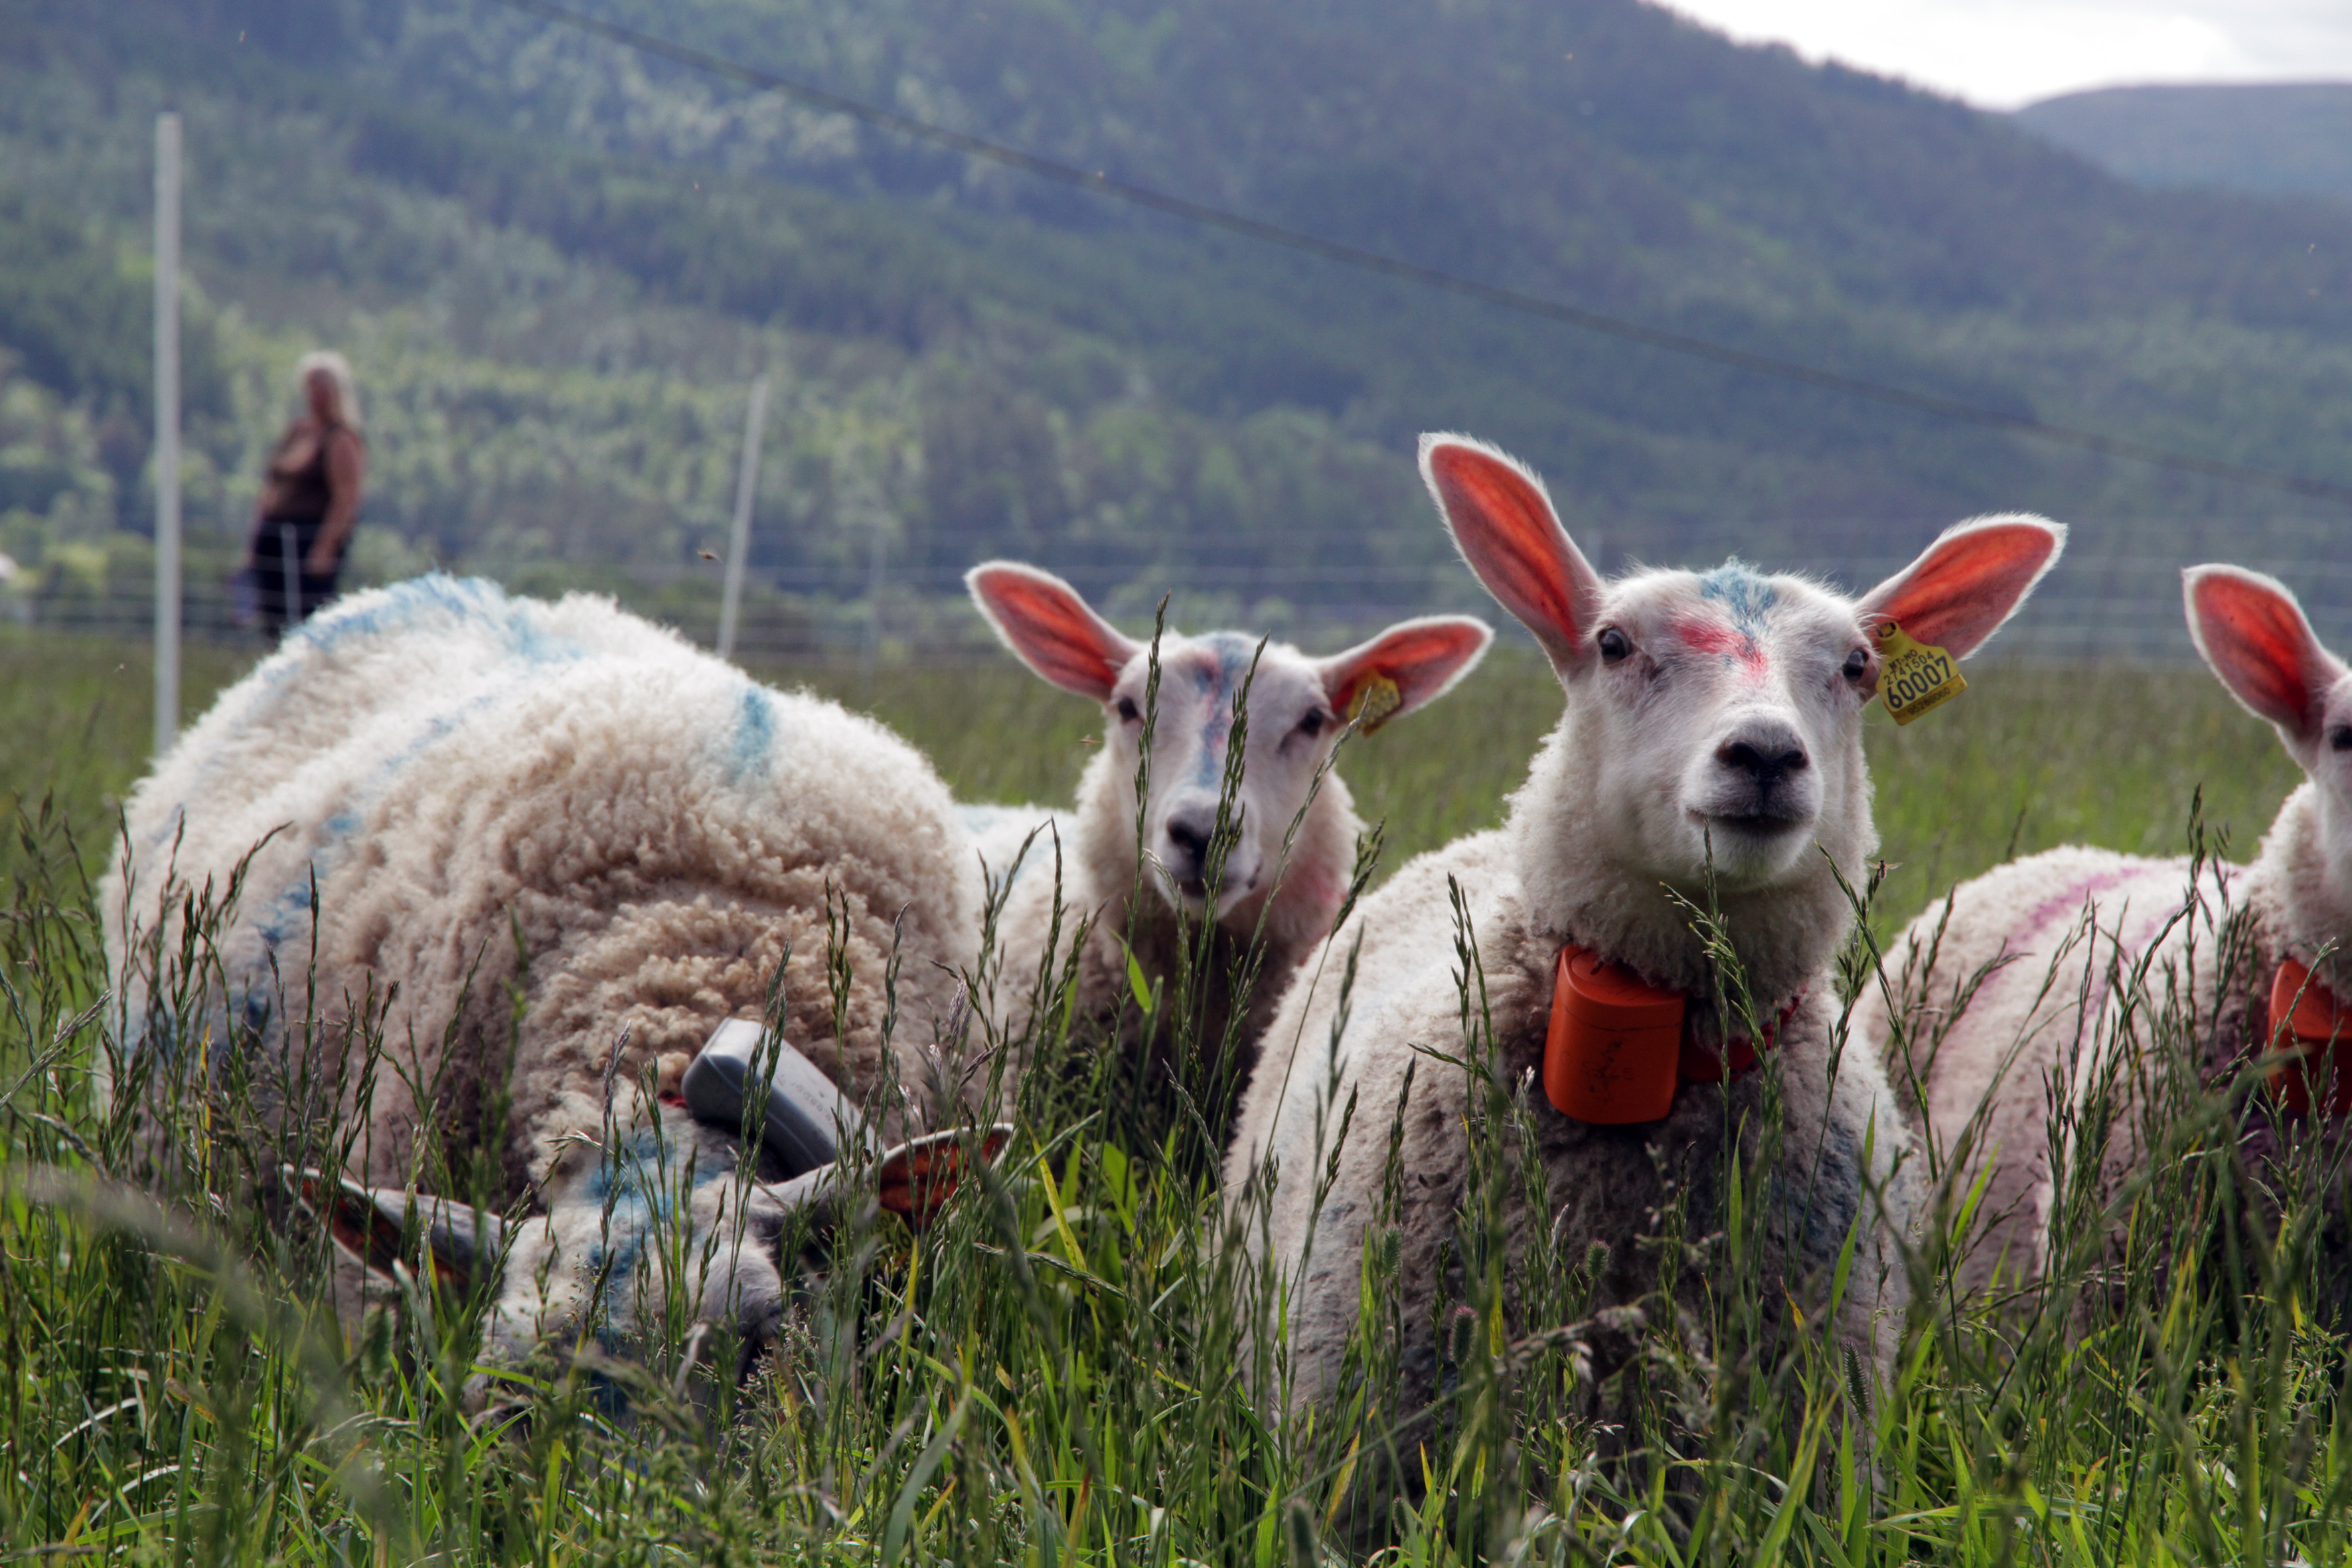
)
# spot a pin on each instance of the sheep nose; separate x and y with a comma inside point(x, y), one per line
point(1188, 841)
point(1767, 755)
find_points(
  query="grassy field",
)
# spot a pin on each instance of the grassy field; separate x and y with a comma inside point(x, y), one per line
point(1055, 1372)
point(2024, 760)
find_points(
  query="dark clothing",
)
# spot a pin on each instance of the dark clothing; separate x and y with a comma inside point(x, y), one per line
point(299, 496)
point(301, 492)
point(278, 608)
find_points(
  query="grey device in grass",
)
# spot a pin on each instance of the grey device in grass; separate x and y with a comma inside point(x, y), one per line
point(806, 1117)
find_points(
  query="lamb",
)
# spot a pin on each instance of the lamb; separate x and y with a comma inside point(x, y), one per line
point(2041, 977)
point(1270, 900)
point(1710, 718)
point(498, 798)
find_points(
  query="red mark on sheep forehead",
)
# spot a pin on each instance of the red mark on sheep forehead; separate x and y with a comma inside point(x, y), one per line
point(1707, 634)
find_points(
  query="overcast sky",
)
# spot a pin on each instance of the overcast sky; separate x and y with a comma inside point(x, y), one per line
point(2003, 53)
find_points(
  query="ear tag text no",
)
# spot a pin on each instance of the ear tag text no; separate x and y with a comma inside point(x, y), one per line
point(1916, 676)
point(1375, 703)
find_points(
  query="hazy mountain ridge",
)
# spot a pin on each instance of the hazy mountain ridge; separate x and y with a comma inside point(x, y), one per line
point(1037, 371)
point(2276, 138)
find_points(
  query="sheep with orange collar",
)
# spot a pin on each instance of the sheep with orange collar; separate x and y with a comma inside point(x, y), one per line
point(1711, 718)
point(2044, 980)
point(1270, 892)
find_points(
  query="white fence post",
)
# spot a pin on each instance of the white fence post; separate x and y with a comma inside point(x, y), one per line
point(167, 431)
point(739, 543)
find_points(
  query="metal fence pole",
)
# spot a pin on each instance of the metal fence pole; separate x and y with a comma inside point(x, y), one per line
point(167, 431)
point(739, 543)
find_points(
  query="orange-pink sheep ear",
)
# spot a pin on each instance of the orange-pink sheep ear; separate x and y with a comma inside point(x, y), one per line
point(2253, 632)
point(1051, 628)
point(1963, 586)
point(1504, 524)
point(1423, 659)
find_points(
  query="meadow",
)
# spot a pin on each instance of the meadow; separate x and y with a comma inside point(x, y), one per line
point(1061, 1369)
point(2027, 758)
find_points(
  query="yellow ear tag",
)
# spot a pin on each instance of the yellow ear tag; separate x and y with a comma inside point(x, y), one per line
point(1374, 704)
point(1914, 676)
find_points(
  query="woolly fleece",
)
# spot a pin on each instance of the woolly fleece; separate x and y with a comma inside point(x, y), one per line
point(457, 769)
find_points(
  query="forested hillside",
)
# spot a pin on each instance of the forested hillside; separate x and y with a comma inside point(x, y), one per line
point(557, 262)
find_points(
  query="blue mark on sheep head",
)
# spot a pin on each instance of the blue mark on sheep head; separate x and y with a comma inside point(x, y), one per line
point(1744, 595)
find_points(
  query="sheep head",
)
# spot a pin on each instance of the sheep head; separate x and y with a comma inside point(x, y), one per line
point(2253, 633)
point(1713, 719)
point(652, 1226)
point(1291, 709)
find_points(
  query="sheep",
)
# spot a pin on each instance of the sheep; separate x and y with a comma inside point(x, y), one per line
point(2044, 977)
point(1272, 901)
point(1712, 720)
point(501, 800)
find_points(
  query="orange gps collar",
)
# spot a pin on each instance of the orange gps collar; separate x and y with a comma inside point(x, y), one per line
point(1618, 1047)
point(2309, 1014)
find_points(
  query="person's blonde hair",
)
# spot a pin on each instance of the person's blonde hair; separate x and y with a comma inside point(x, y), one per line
point(346, 390)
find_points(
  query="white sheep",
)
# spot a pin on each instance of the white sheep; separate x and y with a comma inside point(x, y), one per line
point(2050, 978)
point(1714, 715)
point(1271, 902)
point(558, 831)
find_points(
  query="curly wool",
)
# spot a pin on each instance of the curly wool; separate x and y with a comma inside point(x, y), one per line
point(492, 792)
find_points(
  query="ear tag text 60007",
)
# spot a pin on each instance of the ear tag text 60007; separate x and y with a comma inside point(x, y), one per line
point(1914, 676)
point(1375, 702)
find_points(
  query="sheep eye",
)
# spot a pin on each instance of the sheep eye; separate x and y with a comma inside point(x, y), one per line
point(2340, 738)
point(1312, 725)
point(1614, 644)
point(1857, 664)
point(1127, 710)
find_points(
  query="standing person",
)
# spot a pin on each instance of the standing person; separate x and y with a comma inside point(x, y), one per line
point(309, 497)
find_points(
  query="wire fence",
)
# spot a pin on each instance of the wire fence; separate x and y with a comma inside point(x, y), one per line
point(2091, 610)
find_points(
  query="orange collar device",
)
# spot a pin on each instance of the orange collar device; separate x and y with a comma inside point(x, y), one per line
point(1618, 1047)
point(2309, 1015)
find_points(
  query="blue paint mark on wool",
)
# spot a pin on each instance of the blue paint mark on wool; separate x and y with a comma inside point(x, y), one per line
point(755, 732)
point(401, 607)
point(1744, 595)
point(1232, 653)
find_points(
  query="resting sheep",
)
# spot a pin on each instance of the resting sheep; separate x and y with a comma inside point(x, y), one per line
point(2054, 974)
point(1709, 717)
point(560, 832)
point(1270, 902)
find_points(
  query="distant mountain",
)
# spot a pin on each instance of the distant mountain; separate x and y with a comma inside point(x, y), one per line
point(2291, 139)
point(561, 258)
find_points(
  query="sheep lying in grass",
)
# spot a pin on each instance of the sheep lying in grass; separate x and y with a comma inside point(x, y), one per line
point(1711, 718)
point(1269, 895)
point(550, 847)
point(2084, 978)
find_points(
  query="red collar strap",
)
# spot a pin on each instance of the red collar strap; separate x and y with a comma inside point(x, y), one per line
point(2317, 1027)
point(1618, 1047)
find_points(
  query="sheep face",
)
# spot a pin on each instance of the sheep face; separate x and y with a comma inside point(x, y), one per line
point(2253, 633)
point(1716, 717)
point(659, 1229)
point(1722, 714)
point(1289, 709)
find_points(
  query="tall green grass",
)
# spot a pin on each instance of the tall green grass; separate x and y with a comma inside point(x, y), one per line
point(1074, 1363)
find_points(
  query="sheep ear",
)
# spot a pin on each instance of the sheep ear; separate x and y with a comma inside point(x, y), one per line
point(2253, 633)
point(1963, 586)
point(1505, 527)
point(919, 1178)
point(369, 1223)
point(1422, 658)
point(1052, 630)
